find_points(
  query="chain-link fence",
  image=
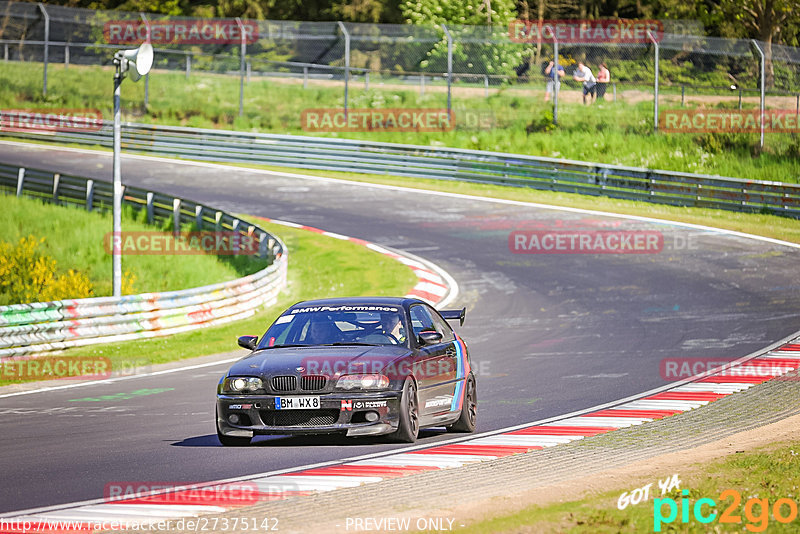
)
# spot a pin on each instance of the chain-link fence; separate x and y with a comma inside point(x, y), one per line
point(481, 74)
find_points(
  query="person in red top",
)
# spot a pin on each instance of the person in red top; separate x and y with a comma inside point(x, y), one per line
point(603, 77)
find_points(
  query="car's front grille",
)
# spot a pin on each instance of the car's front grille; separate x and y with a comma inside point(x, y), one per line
point(300, 418)
point(284, 383)
point(313, 382)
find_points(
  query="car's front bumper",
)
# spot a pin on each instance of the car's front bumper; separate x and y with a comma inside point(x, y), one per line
point(345, 413)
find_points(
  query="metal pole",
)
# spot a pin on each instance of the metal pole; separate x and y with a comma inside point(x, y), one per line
point(557, 79)
point(305, 77)
point(116, 256)
point(242, 53)
point(46, 45)
point(683, 95)
point(422, 85)
point(740, 98)
point(761, 107)
point(66, 56)
point(146, 76)
point(188, 65)
point(486, 85)
point(366, 80)
point(655, 83)
point(346, 64)
point(449, 69)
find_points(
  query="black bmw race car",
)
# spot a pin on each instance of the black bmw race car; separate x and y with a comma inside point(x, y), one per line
point(356, 366)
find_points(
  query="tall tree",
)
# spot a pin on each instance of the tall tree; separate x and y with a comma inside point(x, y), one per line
point(765, 20)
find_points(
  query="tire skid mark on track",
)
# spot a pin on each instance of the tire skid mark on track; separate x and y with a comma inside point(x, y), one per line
point(780, 361)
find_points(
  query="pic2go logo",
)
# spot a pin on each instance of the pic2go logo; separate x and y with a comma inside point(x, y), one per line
point(756, 511)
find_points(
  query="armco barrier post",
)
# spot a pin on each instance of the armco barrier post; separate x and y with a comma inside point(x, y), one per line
point(46, 45)
point(150, 208)
point(346, 64)
point(176, 216)
point(20, 181)
point(56, 180)
point(89, 194)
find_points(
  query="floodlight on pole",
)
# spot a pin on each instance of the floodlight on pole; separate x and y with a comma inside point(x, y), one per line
point(136, 62)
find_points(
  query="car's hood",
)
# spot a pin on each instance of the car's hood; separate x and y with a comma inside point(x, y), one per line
point(318, 360)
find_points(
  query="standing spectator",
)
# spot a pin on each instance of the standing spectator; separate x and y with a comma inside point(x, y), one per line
point(550, 74)
point(584, 74)
point(603, 77)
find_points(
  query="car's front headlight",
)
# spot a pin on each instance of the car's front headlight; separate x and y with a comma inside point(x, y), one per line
point(241, 384)
point(363, 382)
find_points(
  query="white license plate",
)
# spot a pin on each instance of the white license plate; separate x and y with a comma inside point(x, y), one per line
point(296, 403)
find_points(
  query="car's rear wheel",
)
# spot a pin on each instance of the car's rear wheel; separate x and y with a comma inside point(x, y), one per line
point(469, 409)
point(231, 441)
point(408, 429)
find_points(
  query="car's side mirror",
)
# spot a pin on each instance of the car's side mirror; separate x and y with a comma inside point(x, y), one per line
point(429, 337)
point(248, 342)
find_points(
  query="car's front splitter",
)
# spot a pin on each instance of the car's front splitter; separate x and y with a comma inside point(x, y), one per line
point(356, 414)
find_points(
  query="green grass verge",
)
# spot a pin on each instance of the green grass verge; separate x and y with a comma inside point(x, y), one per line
point(769, 473)
point(512, 119)
point(319, 266)
point(75, 237)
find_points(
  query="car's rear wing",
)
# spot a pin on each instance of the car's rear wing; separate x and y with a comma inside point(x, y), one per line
point(452, 315)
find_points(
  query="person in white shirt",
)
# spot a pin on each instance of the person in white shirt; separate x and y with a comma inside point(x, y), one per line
point(584, 74)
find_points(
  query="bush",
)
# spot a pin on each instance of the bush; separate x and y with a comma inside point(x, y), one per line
point(544, 123)
point(26, 275)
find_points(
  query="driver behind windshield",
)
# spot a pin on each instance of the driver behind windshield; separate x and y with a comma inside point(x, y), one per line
point(322, 330)
point(392, 326)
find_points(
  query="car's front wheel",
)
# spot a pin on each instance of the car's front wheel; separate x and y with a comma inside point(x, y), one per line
point(469, 409)
point(408, 429)
point(231, 441)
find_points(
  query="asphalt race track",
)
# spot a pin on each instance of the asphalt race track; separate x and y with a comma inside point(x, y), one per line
point(549, 333)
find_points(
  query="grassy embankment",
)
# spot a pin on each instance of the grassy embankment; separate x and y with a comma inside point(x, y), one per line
point(74, 238)
point(767, 475)
point(510, 120)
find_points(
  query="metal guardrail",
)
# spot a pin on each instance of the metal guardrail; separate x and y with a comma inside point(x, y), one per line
point(43, 326)
point(630, 183)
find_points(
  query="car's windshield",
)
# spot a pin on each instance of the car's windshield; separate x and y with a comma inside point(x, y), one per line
point(339, 325)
